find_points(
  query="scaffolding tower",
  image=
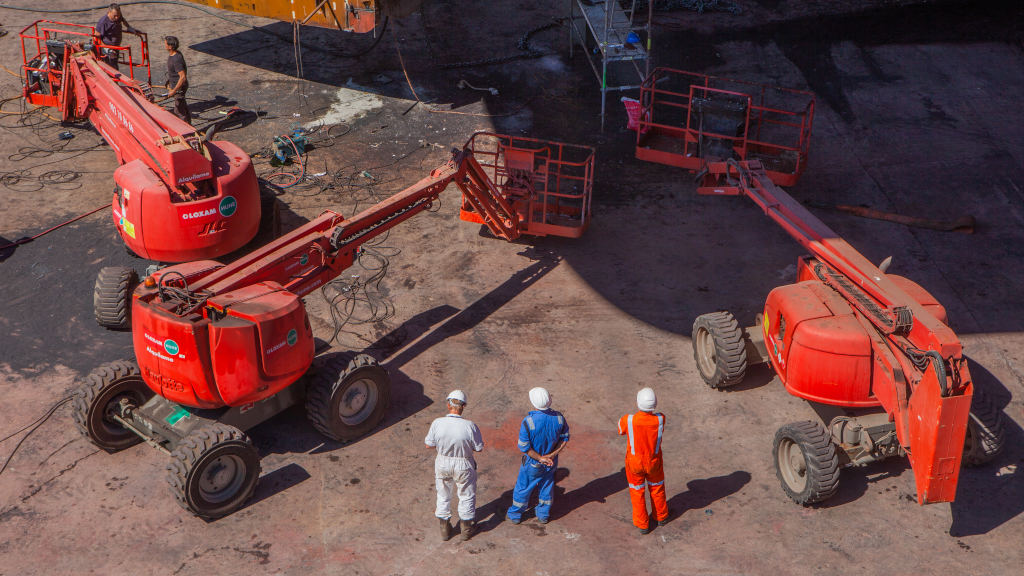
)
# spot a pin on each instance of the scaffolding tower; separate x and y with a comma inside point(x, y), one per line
point(615, 41)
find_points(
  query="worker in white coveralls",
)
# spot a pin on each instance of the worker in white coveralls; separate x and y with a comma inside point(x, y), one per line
point(455, 439)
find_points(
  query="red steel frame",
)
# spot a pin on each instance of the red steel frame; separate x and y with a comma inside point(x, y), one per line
point(776, 127)
point(930, 402)
point(40, 31)
point(547, 184)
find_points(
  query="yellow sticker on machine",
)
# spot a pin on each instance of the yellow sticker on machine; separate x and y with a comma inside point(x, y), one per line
point(766, 321)
point(128, 227)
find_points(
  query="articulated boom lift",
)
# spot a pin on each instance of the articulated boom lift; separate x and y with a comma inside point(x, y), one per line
point(221, 348)
point(177, 196)
point(850, 336)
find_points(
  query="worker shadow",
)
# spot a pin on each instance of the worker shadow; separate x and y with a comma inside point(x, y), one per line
point(702, 492)
point(597, 490)
point(991, 495)
point(492, 514)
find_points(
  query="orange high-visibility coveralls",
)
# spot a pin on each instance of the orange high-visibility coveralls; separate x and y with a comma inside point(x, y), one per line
point(644, 465)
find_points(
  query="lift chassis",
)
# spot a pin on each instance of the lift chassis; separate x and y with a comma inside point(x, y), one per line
point(221, 348)
point(870, 350)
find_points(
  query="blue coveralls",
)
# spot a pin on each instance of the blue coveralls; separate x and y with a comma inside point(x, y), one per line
point(542, 431)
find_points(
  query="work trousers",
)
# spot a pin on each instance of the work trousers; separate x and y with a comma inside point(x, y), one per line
point(181, 107)
point(531, 477)
point(652, 474)
point(450, 474)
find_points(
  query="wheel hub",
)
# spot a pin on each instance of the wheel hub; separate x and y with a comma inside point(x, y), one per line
point(358, 402)
point(221, 478)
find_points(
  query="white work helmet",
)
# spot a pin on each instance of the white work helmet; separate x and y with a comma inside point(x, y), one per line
point(458, 395)
point(540, 398)
point(646, 400)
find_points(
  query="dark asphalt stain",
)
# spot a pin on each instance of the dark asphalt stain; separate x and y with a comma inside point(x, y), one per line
point(47, 305)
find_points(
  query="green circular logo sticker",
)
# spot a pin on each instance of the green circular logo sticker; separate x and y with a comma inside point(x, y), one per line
point(171, 347)
point(228, 206)
point(304, 260)
point(293, 337)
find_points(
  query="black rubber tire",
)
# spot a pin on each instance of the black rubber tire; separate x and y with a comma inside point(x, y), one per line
point(719, 349)
point(93, 399)
point(339, 385)
point(112, 297)
point(816, 478)
point(214, 471)
point(986, 431)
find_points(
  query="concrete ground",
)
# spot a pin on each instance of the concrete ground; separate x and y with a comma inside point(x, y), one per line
point(918, 113)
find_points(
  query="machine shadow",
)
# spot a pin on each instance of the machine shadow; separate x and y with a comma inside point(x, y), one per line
point(275, 482)
point(702, 492)
point(326, 59)
point(991, 495)
point(290, 432)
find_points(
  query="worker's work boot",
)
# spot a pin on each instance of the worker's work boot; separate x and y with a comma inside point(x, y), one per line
point(446, 529)
point(646, 530)
point(467, 528)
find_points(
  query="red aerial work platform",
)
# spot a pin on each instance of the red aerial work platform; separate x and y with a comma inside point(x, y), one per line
point(690, 120)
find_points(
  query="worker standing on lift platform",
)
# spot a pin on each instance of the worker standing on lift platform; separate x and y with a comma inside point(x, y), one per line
point(110, 29)
point(177, 79)
point(643, 460)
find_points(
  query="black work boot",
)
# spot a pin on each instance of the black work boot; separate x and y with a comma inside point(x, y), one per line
point(467, 527)
point(446, 529)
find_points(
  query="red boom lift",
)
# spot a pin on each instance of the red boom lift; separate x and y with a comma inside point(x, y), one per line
point(220, 348)
point(177, 195)
point(851, 339)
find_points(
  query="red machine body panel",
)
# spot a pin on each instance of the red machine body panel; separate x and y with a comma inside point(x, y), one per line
point(816, 345)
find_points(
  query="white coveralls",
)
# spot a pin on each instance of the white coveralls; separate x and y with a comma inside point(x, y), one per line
point(455, 439)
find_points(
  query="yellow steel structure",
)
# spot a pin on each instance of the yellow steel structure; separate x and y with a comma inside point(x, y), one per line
point(358, 16)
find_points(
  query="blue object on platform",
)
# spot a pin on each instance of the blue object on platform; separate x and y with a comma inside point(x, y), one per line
point(632, 38)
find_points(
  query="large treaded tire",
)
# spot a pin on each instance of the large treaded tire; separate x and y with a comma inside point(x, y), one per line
point(986, 431)
point(112, 297)
point(93, 400)
point(806, 462)
point(719, 349)
point(214, 471)
point(346, 400)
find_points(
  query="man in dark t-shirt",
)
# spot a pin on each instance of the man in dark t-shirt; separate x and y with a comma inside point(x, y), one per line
point(177, 79)
point(110, 29)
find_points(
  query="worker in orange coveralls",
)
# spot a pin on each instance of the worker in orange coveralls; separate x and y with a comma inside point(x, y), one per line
point(643, 460)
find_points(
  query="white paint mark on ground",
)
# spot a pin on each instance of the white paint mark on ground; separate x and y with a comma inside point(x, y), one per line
point(351, 102)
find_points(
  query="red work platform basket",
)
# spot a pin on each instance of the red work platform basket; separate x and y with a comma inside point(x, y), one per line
point(45, 48)
point(690, 120)
point(549, 184)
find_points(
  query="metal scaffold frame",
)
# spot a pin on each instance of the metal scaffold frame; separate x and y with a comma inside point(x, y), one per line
point(612, 41)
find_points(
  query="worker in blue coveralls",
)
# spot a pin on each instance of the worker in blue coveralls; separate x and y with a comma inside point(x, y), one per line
point(542, 435)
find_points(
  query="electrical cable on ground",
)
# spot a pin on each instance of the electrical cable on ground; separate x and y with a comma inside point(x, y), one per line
point(32, 428)
point(47, 231)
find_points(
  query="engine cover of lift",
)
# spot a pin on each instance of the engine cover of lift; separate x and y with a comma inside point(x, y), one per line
point(256, 341)
point(818, 347)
